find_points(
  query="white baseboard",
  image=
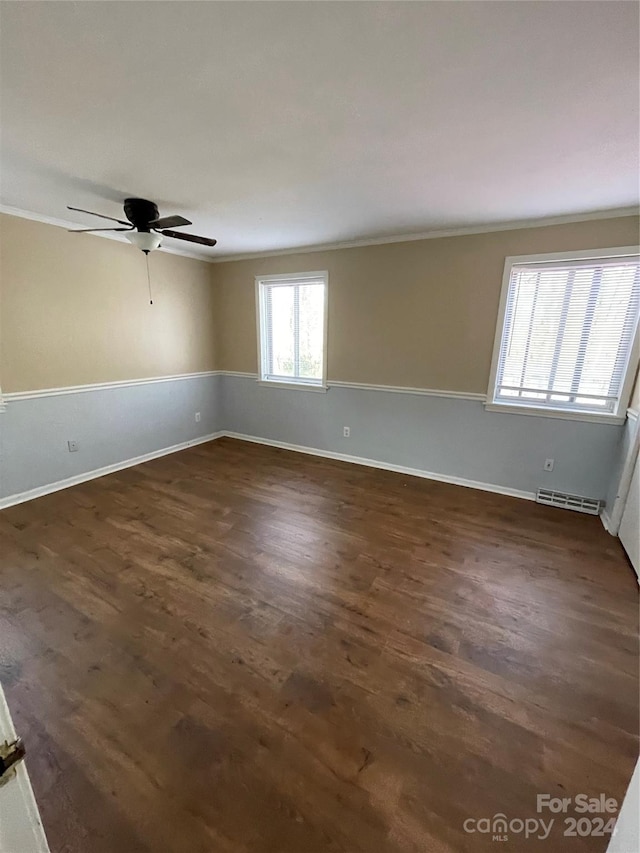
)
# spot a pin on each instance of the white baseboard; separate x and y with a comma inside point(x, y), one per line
point(387, 466)
point(605, 518)
point(38, 492)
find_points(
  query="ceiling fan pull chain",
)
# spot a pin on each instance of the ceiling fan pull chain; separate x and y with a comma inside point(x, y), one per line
point(146, 254)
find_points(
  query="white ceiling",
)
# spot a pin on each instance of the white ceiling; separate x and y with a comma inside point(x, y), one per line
point(278, 125)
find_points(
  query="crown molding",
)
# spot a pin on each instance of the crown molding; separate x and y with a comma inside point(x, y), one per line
point(66, 224)
point(515, 225)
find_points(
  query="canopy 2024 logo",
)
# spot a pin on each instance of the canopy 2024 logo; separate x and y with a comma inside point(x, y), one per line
point(597, 823)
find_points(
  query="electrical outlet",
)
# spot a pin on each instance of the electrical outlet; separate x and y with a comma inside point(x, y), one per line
point(346, 431)
point(73, 446)
point(197, 417)
point(548, 464)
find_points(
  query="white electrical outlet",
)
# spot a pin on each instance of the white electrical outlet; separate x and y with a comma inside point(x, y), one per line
point(548, 464)
point(197, 417)
point(346, 431)
point(73, 446)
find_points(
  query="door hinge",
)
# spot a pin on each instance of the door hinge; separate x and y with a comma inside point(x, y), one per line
point(11, 754)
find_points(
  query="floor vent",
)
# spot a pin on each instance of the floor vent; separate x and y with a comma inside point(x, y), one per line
point(592, 506)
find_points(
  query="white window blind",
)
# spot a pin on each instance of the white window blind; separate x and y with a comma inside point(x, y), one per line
point(292, 329)
point(567, 334)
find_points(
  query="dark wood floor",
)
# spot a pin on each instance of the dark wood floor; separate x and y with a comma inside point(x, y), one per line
point(237, 648)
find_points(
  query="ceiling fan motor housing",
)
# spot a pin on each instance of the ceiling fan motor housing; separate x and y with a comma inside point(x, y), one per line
point(140, 212)
point(144, 218)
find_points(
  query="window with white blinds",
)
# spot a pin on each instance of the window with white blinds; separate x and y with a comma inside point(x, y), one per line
point(567, 334)
point(292, 312)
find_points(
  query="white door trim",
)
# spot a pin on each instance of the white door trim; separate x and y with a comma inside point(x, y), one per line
point(20, 825)
point(613, 519)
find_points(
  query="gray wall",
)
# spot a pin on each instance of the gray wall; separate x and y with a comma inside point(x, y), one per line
point(110, 425)
point(450, 437)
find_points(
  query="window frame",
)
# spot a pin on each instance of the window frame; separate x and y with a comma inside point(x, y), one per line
point(619, 414)
point(288, 279)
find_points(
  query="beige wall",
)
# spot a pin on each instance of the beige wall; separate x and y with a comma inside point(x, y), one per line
point(418, 314)
point(75, 310)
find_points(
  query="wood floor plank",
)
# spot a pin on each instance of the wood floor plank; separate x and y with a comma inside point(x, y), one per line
point(238, 649)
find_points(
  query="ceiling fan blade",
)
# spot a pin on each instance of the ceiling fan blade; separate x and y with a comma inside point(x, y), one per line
point(191, 238)
point(170, 222)
point(85, 230)
point(101, 215)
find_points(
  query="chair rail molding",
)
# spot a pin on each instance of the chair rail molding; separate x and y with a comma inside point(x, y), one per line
point(101, 386)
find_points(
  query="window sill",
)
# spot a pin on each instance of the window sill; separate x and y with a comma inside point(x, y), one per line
point(563, 414)
point(293, 386)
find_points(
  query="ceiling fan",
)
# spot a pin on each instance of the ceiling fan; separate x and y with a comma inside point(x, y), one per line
point(146, 228)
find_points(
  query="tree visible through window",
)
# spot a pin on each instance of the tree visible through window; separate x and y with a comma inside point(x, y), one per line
point(292, 328)
point(568, 333)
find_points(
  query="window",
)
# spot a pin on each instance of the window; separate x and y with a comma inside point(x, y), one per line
point(566, 334)
point(292, 340)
